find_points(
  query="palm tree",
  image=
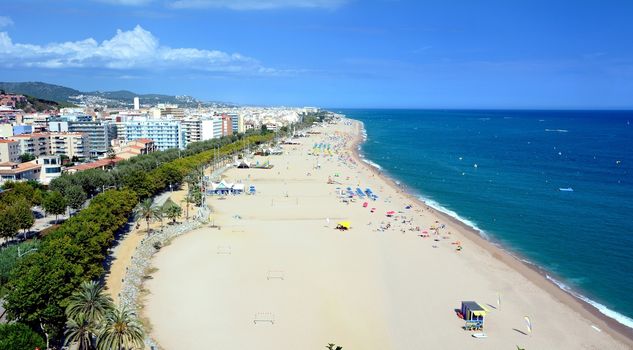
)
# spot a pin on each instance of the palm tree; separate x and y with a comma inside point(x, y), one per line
point(86, 309)
point(89, 302)
point(79, 330)
point(188, 200)
point(173, 212)
point(121, 331)
point(159, 214)
point(147, 210)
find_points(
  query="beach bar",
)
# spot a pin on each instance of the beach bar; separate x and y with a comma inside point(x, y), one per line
point(473, 314)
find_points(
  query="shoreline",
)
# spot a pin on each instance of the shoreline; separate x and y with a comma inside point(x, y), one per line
point(539, 276)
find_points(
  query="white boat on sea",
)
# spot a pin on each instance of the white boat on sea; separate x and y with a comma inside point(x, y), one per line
point(566, 189)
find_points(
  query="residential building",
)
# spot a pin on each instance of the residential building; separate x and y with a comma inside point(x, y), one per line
point(100, 133)
point(51, 168)
point(211, 128)
point(172, 111)
point(237, 123)
point(165, 133)
point(37, 144)
point(137, 103)
point(70, 144)
point(12, 100)
point(135, 148)
point(192, 127)
point(227, 125)
point(9, 151)
point(12, 171)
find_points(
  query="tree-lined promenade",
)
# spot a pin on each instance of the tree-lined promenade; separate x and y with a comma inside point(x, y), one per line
point(40, 284)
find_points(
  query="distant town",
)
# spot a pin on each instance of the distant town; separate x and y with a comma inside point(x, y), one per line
point(42, 145)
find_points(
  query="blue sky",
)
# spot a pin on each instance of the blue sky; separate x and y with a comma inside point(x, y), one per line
point(331, 53)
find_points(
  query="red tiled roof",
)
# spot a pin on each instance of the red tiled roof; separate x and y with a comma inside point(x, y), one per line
point(96, 164)
point(143, 140)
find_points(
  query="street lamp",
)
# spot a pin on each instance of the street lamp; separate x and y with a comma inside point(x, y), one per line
point(20, 254)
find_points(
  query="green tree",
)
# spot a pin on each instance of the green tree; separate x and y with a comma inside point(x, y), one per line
point(8, 222)
point(89, 302)
point(75, 196)
point(79, 331)
point(29, 190)
point(54, 203)
point(23, 215)
point(86, 310)
point(18, 336)
point(139, 181)
point(26, 157)
point(147, 211)
point(121, 330)
point(173, 212)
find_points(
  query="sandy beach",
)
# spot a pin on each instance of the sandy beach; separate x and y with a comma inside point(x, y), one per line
point(278, 275)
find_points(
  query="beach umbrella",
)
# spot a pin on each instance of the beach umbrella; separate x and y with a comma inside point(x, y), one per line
point(528, 323)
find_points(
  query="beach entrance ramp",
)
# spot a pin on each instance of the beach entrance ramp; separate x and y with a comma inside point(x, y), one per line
point(224, 250)
point(264, 317)
point(275, 274)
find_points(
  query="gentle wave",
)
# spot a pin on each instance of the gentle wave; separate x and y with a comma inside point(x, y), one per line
point(627, 321)
point(371, 163)
point(437, 206)
point(557, 130)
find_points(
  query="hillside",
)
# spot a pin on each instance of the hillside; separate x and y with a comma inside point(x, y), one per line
point(40, 90)
point(120, 98)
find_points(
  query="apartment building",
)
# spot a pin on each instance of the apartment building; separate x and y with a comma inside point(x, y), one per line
point(9, 151)
point(99, 133)
point(70, 144)
point(37, 144)
point(166, 134)
point(227, 125)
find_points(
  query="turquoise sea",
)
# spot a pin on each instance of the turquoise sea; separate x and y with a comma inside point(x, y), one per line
point(501, 172)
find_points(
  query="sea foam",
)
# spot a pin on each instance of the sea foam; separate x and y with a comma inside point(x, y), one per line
point(365, 160)
point(627, 321)
point(437, 206)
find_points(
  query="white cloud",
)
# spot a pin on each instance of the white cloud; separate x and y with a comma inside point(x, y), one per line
point(5, 21)
point(134, 49)
point(256, 4)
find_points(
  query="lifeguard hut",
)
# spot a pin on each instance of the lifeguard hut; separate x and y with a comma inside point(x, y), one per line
point(474, 315)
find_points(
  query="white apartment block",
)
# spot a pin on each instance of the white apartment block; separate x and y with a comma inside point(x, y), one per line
point(70, 144)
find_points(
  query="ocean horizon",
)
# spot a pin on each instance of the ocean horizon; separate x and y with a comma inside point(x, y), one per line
point(553, 187)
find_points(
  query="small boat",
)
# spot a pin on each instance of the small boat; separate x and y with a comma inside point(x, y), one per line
point(566, 189)
point(480, 335)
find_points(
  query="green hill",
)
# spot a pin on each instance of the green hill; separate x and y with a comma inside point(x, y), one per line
point(120, 98)
point(40, 90)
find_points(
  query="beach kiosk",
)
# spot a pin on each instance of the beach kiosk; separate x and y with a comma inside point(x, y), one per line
point(473, 314)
